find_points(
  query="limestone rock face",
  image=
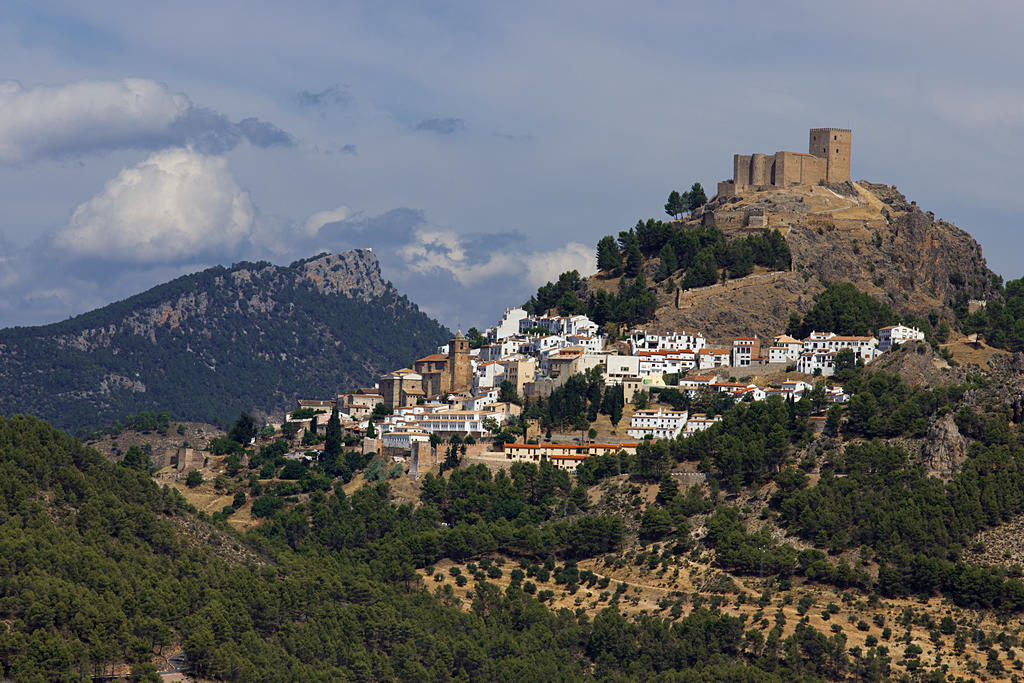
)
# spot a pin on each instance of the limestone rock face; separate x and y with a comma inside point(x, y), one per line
point(1007, 365)
point(946, 447)
point(355, 274)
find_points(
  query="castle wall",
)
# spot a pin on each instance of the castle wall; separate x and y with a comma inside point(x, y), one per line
point(828, 159)
point(794, 168)
point(760, 170)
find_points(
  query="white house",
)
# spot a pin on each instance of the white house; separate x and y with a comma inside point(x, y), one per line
point(746, 350)
point(617, 368)
point(665, 361)
point(698, 422)
point(639, 340)
point(784, 349)
point(487, 375)
point(559, 324)
point(695, 383)
point(403, 440)
point(821, 361)
point(864, 348)
point(503, 348)
point(708, 358)
point(508, 326)
point(657, 424)
point(794, 389)
point(894, 335)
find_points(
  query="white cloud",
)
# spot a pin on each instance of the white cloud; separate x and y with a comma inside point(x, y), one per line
point(444, 250)
point(58, 121)
point(175, 205)
point(321, 218)
point(542, 267)
point(40, 121)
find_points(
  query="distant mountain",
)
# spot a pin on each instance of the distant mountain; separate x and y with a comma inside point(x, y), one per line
point(205, 346)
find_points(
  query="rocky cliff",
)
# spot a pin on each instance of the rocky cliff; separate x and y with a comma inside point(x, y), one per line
point(206, 346)
point(864, 233)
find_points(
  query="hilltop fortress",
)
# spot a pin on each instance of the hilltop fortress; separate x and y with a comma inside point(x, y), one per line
point(827, 160)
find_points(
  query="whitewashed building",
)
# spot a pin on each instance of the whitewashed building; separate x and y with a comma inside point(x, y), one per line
point(784, 349)
point(894, 335)
point(639, 340)
point(746, 351)
point(559, 324)
point(657, 424)
point(508, 326)
point(698, 422)
point(709, 359)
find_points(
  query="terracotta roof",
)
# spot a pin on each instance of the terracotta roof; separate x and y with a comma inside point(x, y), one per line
point(569, 445)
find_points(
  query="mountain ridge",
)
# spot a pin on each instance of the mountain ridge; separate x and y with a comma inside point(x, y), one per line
point(316, 326)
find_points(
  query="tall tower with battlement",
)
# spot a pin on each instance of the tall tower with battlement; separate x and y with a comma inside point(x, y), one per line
point(832, 145)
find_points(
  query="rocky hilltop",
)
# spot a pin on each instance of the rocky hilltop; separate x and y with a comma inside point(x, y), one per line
point(864, 233)
point(205, 346)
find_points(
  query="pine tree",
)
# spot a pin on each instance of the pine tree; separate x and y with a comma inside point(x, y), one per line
point(675, 205)
point(696, 197)
point(634, 261)
point(332, 437)
point(668, 265)
point(609, 258)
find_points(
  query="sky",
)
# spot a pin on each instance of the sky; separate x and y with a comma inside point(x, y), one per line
point(480, 149)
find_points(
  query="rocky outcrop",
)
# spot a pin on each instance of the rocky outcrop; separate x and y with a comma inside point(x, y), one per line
point(355, 274)
point(946, 448)
point(863, 233)
point(917, 365)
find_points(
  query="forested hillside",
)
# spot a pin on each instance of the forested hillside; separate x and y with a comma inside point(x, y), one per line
point(252, 336)
point(99, 566)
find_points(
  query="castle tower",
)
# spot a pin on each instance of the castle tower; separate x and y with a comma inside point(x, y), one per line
point(833, 145)
point(460, 370)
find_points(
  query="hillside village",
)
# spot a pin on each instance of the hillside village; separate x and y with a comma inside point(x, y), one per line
point(467, 391)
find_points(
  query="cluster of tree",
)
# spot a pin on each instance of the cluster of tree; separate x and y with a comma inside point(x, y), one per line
point(307, 342)
point(916, 524)
point(633, 303)
point(749, 445)
point(701, 251)
point(1000, 323)
point(757, 553)
point(678, 204)
point(843, 309)
point(884, 406)
point(575, 404)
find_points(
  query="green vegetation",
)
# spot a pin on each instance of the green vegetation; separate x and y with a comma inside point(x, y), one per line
point(843, 309)
point(1000, 323)
point(96, 572)
point(702, 252)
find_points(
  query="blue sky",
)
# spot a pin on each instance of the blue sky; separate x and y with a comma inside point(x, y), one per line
point(479, 148)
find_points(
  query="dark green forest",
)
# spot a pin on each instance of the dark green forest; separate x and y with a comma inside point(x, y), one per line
point(233, 353)
point(100, 565)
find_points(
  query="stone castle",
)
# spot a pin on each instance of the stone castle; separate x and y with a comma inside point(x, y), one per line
point(827, 160)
